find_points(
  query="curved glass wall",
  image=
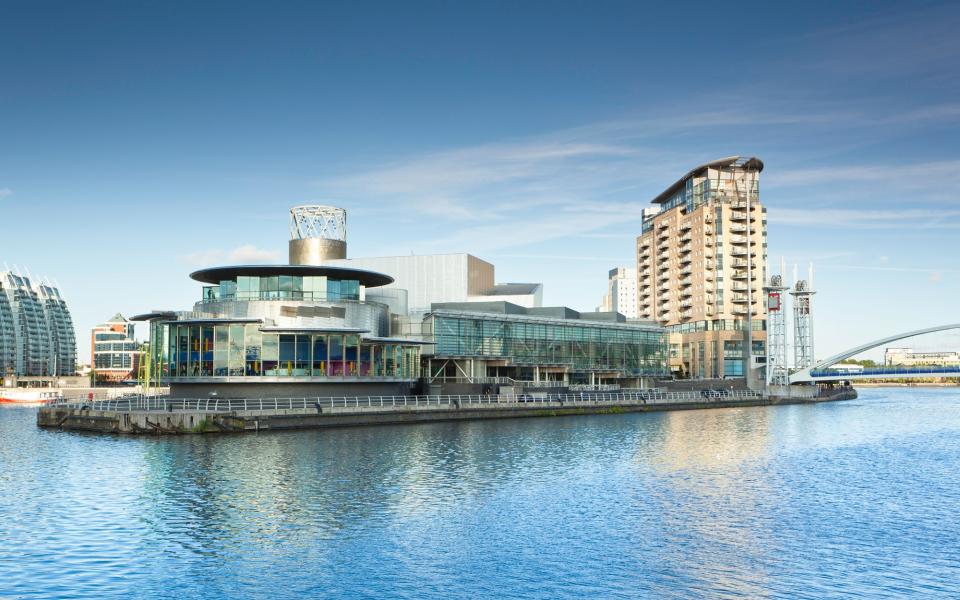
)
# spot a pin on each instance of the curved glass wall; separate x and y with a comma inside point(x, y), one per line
point(243, 350)
point(283, 287)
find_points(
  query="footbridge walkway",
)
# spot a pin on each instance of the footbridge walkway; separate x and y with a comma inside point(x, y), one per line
point(822, 370)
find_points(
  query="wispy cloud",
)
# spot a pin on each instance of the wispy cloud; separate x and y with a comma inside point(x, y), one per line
point(911, 174)
point(565, 257)
point(245, 254)
point(510, 176)
point(867, 218)
point(4, 192)
point(908, 269)
point(906, 40)
point(578, 182)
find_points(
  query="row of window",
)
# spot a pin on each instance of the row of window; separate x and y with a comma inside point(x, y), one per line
point(717, 325)
point(239, 350)
point(283, 287)
point(116, 347)
point(112, 360)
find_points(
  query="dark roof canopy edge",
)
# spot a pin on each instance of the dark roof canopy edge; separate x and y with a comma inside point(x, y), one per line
point(214, 275)
point(750, 164)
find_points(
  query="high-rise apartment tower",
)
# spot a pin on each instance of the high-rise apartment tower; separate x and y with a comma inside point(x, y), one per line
point(701, 265)
point(621, 293)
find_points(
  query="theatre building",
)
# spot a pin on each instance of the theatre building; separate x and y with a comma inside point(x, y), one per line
point(264, 331)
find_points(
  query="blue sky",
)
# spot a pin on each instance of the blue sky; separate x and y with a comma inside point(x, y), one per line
point(139, 141)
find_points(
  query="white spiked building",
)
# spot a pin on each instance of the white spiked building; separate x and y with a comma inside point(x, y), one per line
point(36, 331)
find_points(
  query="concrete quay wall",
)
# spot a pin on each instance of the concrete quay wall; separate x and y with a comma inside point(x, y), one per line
point(157, 422)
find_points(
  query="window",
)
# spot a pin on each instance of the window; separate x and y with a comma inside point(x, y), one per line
point(270, 354)
point(319, 355)
point(252, 342)
point(235, 351)
point(287, 353)
point(335, 354)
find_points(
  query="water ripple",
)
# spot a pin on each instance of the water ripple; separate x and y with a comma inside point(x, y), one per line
point(853, 499)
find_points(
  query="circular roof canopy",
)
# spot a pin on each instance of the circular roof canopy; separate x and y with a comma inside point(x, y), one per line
point(215, 275)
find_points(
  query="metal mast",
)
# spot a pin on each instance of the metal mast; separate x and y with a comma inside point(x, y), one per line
point(803, 323)
point(777, 373)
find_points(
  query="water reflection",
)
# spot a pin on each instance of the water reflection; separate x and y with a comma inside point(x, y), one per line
point(738, 502)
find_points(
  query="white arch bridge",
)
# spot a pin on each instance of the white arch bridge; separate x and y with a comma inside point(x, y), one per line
point(822, 371)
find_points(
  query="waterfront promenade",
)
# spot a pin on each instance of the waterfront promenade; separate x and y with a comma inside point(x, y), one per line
point(164, 415)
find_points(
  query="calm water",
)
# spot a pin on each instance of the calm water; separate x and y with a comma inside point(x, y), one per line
point(852, 499)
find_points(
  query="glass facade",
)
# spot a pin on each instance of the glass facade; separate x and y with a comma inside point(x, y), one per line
point(243, 350)
point(583, 345)
point(733, 356)
point(283, 287)
point(717, 325)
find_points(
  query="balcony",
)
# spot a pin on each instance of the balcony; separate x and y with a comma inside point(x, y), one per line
point(741, 264)
point(742, 251)
point(740, 298)
point(663, 225)
point(687, 314)
point(685, 258)
point(644, 242)
point(686, 281)
point(685, 226)
point(741, 216)
point(685, 238)
point(738, 239)
point(742, 287)
point(739, 310)
point(686, 293)
point(739, 274)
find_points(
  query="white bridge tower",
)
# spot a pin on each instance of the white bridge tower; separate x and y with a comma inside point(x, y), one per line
point(803, 322)
point(777, 373)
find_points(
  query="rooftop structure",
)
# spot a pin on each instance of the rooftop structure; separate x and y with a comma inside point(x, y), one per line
point(433, 278)
point(317, 233)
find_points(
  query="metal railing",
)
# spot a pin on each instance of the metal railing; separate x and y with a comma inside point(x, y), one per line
point(638, 397)
point(893, 371)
